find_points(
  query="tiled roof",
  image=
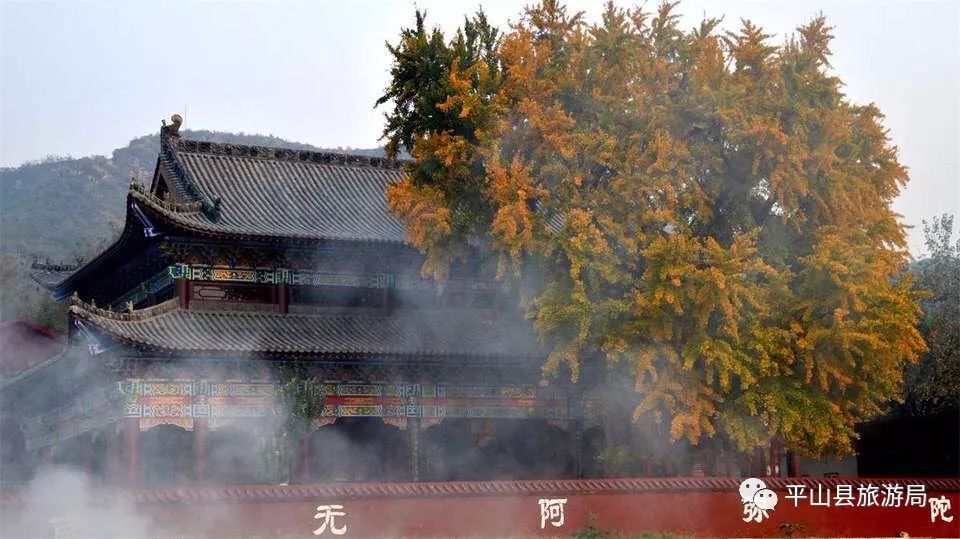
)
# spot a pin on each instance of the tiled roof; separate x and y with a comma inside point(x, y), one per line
point(270, 192)
point(456, 334)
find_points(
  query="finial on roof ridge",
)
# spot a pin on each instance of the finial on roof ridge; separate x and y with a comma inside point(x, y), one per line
point(172, 130)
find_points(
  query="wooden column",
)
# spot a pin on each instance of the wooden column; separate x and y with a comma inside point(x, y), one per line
point(88, 455)
point(112, 458)
point(283, 297)
point(793, 464)
point(303, 459)
point(773, 468)
point(413, 432)
point(183, 292)
point(577, 435)
point(200, 429)
point(130, 434)
point(387, 301)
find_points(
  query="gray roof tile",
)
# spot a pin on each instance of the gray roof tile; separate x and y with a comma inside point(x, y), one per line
point(454, 334)
point(281, 193)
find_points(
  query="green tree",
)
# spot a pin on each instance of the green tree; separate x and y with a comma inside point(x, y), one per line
point(706, 210)
point(933, 384)
point(443, 101)
point(302, 400)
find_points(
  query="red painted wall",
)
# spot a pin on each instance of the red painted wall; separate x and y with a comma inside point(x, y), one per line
point(708, 507)
point(708, 514)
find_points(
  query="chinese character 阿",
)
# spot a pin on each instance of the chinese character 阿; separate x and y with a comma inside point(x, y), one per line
point(939, 508)
point(329, 513)
point(757, 499)
point(551, 510)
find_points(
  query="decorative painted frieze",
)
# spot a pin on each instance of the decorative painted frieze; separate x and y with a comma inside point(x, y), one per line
point(180, 402)
point(315, 278)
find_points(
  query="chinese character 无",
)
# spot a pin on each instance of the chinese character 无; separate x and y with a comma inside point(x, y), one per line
point(328, 515)
point(551, 510)
point(939, 507)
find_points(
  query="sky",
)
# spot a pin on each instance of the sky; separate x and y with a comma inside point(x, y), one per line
point(84, 77)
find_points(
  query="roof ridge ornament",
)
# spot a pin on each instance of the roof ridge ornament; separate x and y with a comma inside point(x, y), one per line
point(172, 130)
point(170, 143)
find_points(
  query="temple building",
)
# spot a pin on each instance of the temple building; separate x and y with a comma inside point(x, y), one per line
point(239, 263)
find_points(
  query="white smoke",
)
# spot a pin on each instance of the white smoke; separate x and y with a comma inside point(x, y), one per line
point(61, 502)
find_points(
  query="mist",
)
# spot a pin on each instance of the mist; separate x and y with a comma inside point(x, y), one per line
point(62, 502)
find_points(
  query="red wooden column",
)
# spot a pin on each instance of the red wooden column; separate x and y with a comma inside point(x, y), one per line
point(283, 297)
point(183, 292)
point(773, 466)
point(793, 464)
point(200, 429)
point(130, 433)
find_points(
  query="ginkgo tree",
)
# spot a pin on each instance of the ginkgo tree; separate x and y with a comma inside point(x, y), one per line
point(703, 207)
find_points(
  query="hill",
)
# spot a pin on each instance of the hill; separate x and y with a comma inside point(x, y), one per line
point(61, 208)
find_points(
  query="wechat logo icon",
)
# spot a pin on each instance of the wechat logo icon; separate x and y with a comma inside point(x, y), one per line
point(757, 499)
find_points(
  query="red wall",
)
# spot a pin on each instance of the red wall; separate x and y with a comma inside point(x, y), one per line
point(691, 506)
point(707, 507)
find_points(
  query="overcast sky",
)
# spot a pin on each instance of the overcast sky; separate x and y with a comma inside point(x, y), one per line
point(82, 78)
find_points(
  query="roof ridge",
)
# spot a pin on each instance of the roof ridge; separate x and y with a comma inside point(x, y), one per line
point(169, 147)
point(47, 266)
point(284, 154)
point(142, 193)
point(84, 309)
